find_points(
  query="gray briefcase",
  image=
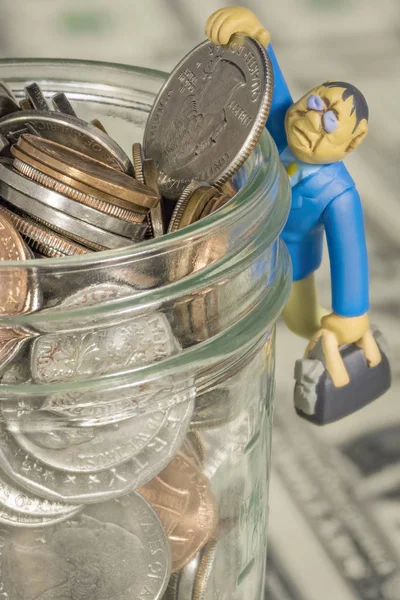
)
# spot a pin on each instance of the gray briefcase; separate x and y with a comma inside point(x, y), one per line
point(318, 400)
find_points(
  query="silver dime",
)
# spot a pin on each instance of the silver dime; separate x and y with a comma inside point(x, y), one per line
point(24, 194)
point(209, 114)
point(18, 500)
point(87, 488)
point(62, 104)
point(58, 357)
point(117, 551)
point(68, 131)
point(35, 97)
point(84, 449)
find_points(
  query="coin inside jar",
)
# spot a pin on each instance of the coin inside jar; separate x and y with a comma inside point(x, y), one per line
point(156, 217)
point(181, 496)
point(76, 190)
point(66, 129)
point(14, 281)
point(41, 239)
point(191, 204)
point(89, 170)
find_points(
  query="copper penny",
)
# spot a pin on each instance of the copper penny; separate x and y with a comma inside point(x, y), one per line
point(88, 170)
point(14, 281)
point(181, 496)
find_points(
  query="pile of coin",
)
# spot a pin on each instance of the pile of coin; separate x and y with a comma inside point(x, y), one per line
point(65, 200)
point(119, 483)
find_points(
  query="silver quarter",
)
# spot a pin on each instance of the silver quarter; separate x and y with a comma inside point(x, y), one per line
point(62, 104)
point(84, 449)
point(88, 488)
point(69, 131)
point(42, 189)
point(11, 186)
point(17, 519)
point(18, 500)
point(116, 551)
point(58, 357)
point(35, 96)
point(209, 114)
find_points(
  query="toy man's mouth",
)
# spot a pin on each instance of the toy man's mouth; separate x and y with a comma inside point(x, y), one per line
point(302, 136)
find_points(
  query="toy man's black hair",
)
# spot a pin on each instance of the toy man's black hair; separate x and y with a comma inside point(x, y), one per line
point(360, 105)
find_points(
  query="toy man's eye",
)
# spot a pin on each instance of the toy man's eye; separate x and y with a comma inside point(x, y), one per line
point(314, 102)
point(330, 121)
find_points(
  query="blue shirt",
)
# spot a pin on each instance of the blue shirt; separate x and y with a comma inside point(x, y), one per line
point(323, 198)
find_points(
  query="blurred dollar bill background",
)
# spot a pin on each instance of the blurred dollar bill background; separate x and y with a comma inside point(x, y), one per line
point(335, 492)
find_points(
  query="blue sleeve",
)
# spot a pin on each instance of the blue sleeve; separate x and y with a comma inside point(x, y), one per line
point(281, 100)
point(344, 226)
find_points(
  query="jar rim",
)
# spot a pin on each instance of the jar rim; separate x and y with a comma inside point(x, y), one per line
point(226, 215)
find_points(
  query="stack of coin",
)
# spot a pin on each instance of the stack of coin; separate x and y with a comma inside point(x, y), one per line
point(76, 202)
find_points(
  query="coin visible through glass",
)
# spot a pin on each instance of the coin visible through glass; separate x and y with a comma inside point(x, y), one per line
point(111, 552)
point(41, 238)
point(191, 204)
point(14, 281)
point(182, 497)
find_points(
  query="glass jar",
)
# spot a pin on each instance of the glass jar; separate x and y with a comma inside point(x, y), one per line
point(137, 387)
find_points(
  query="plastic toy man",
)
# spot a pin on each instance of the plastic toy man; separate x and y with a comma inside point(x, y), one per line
point(313, 135)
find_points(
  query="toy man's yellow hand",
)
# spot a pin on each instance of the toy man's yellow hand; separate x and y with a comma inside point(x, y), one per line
point(348, 330)
point(222, 24)
point(335, 332)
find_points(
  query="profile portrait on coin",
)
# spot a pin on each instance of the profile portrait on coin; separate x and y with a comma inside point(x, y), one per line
point(80, 560)
point(202, 115)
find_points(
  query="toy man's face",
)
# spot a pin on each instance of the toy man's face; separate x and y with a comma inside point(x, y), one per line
point(320, 127)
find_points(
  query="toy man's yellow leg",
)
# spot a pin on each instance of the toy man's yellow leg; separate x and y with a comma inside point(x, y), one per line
point(302, 313)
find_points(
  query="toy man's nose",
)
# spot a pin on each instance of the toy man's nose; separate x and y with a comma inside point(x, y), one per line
point(314, 118)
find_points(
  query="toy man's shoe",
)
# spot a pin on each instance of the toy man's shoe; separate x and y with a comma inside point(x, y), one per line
point(318, 400)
